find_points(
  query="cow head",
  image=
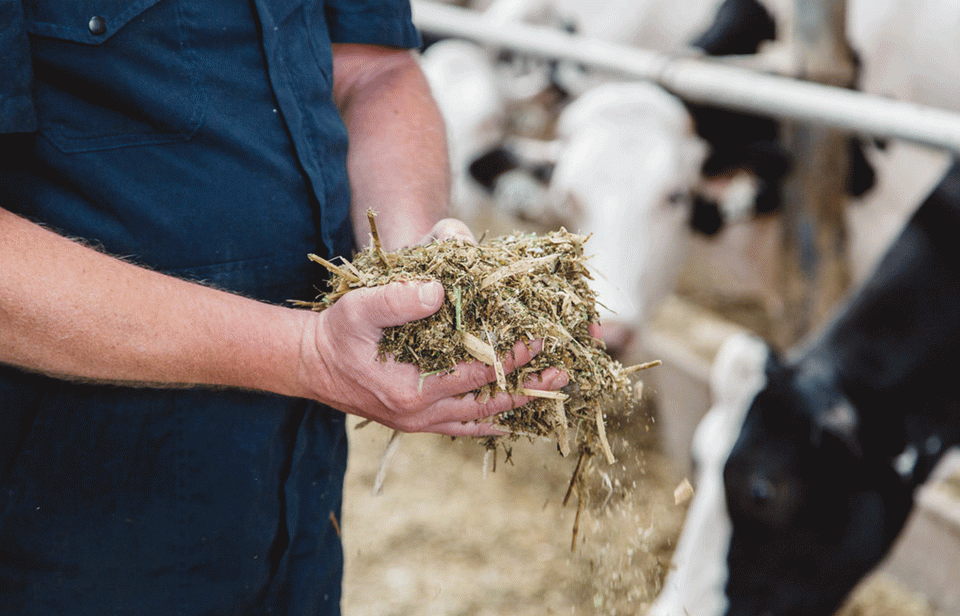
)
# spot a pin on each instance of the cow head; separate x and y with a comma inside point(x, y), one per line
point(625, 172)
point(810, 512)
point(791, 511)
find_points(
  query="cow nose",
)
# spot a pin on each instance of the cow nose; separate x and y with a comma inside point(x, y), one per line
point(705, 216)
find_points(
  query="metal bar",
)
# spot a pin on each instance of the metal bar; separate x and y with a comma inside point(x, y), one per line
point(704, 81)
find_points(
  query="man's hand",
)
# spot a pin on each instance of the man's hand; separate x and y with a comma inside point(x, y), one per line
point(340, 355)
point(340, 364)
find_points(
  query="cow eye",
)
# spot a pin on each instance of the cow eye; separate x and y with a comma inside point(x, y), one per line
point(762, 497)
point(677, 197)
point(762, 492)
point(767, 499)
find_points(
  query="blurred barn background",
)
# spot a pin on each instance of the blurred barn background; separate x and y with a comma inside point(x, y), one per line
point(716, 207)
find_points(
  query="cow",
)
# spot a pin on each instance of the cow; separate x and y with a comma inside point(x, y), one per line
point(809, 461)
point(740, 140)
point(627, 157)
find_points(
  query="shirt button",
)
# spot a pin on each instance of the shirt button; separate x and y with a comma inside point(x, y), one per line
point(97, 25)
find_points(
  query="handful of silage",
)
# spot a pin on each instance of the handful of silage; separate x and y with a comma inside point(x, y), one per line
point(519, 287)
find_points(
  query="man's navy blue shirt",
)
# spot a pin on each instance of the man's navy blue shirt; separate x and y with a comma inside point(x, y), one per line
point(199, 138)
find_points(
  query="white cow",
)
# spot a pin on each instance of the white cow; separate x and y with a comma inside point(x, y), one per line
point(643, 145)
point(695, 587)
point(628, 156)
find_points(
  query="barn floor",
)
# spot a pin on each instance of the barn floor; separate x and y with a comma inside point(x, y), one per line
point(442, 538)
point(445, 539)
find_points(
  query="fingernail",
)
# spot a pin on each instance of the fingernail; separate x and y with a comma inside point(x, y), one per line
point(431, 294)
point(554, 378)
point(560, 379)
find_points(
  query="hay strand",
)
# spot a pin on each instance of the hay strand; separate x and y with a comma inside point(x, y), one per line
point(378, 247)
point(602, 437)
point(643, 366)
point(519, 267)
point(540, 393)
point(563, 436)
point(478, 349)
point(333, 269)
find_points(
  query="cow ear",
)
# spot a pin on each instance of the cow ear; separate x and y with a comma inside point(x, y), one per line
point(839, 421)
point(738, 371)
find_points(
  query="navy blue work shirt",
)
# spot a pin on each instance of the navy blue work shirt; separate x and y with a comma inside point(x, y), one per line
point(199, 138)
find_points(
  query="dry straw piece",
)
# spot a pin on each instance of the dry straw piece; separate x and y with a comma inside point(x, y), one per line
point(520, 287)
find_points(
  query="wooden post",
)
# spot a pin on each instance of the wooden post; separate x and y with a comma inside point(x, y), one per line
point(814, 267)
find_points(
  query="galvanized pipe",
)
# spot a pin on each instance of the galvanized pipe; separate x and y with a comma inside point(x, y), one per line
point(710, 82)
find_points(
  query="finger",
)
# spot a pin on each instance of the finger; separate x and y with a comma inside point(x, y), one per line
point(467, 408)
point(395, 303)
point(467, 428)
point(595, 330)
point(450, 227)
point(469, 376)
point(550, 379)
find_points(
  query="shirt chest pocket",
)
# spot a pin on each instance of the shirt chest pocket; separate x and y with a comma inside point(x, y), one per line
point(113, 73)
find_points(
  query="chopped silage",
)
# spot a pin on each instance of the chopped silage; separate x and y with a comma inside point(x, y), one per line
point(519, 287)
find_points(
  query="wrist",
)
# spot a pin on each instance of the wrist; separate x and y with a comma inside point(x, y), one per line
point(261, 348)
point(311, 373)
point(283, 363)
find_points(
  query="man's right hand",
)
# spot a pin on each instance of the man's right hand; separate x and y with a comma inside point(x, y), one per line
point(341, 367)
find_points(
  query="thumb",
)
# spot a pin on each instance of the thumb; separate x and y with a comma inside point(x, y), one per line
point(401, 302)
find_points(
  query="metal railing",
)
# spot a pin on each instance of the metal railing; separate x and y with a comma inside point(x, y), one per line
point(705, 81)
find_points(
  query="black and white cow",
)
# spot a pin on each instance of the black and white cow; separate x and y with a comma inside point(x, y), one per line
point(738, 141)
point(808, 464)
point(745, 141)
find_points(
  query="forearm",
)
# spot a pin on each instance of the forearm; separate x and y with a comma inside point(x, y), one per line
point(397, 161)
point(71, 311)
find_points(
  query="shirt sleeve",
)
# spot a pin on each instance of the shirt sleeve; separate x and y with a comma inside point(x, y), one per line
point(17, 114)
point(372, 22)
